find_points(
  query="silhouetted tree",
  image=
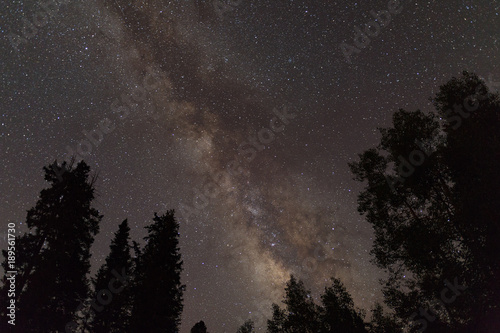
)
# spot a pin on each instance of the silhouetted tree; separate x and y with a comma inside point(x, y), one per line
point(157, 296)
point(113, 315)
point(301, 314)
point(199, 327)
point(431, 196)
point(247, 327)
point(277, 323)
point(472, 153)
point(53, 262)
point(338, 313)
point(381, 323)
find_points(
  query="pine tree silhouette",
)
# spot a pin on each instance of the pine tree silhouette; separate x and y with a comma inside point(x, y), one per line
point(54, 261)
point(199, 327)
point(381, 323)
point(113, 316)
point(301, 314)
point(158, 292)
point(338, 313)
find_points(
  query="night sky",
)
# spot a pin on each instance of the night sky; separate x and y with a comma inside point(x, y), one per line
point(243, 120)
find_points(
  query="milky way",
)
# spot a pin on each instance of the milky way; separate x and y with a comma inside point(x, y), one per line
point(241, 116)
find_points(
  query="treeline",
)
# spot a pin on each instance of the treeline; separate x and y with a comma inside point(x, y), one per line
point(432, 195)
point(137, 289)
point(336, 313)
point(139, 292)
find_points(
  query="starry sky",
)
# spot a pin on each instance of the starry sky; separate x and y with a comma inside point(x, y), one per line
point(240, 115)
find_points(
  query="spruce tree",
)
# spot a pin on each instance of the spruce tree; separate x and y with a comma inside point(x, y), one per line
point(247, 327)
point(301, 314)
point(55, 259)
point(381, 323)
point(113, 316)
point(158, 292)
point(277, 323)
point(338, 313)
point(199, 327)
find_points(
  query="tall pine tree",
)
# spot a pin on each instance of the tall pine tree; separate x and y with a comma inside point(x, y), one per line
point(301, 314)
point(382, 323)
point(338, 313)
point(113, 316)
point(158, 292)
point(52, 272)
